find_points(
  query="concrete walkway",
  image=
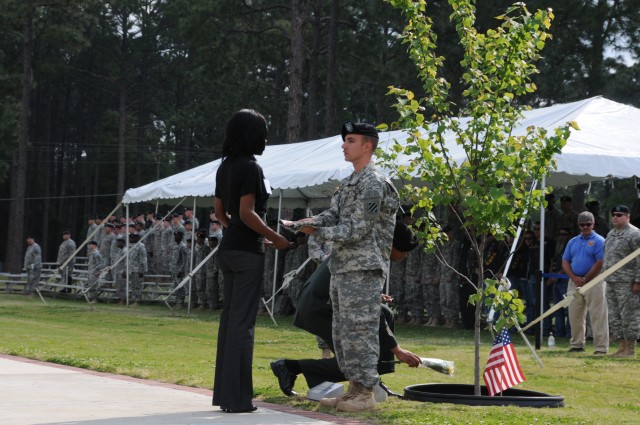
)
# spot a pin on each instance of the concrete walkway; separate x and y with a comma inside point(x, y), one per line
point(38, 393)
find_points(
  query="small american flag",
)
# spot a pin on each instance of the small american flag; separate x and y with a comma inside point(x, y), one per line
point(502, 370)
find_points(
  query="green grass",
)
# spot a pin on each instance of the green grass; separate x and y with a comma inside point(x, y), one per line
point(149, 342)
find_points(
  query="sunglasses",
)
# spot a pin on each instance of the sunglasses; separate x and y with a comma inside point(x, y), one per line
point(617, 214)
point(585, 224)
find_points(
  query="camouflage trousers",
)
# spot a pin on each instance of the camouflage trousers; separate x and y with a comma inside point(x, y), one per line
point(201, 289)
point(121, 285)
point(92, 286)
point(135, 285)
point(450, 299)
point(624, 311)
point(432, 300)
point(214, 291)
point(414, 296)
point(33, 277)
point(355, 298)
point(293, 290)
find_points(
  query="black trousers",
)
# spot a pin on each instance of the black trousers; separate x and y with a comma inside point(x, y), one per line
point(233, 379)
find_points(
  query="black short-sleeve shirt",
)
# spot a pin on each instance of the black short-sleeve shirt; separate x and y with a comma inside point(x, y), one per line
point(236, 177)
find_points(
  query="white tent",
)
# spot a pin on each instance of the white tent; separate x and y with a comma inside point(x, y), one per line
point(307, 173)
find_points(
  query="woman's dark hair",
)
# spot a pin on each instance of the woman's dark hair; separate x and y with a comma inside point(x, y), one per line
point(246, 134)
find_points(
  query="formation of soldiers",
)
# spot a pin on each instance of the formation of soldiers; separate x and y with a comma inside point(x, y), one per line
point(426, 287)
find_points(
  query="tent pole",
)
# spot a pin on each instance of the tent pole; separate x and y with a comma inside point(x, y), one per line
point(542, 236)
point(193, 240)
point(126, 260)
point(275, 265)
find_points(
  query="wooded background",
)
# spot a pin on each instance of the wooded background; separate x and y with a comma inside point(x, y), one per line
point(100, 96)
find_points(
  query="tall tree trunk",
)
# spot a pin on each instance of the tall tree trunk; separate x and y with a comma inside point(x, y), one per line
point(595, 81)
point(332, 71)
point(19, 159)
point(122, 104)
point(312, 89)
point(122, 145)
point(299, 13)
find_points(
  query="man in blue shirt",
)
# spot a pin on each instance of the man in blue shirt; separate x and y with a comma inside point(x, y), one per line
point(582, 261)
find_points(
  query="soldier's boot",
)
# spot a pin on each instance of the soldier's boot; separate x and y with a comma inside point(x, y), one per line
point(332, 402)
point(363, 399)
point(630, 351)
point(622, 347)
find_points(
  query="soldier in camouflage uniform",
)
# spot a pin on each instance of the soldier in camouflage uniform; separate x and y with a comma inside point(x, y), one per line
point(213, 276)
point(158, 253)
point(107, 241)
point(396, 289)
point(360, 222)
point(65, 251)
point(201, 251)
point(95, 264)
point(137, 267)
point(167, 245)
point(117, 252)
point(449, 287)
point(413, 293)
point(179, 265)
point(623, 286)
point(32, 265)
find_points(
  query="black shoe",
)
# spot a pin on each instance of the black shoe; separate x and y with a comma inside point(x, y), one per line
point(599, 353)
point(286, 379)
point(576, 350)
point(250, 409)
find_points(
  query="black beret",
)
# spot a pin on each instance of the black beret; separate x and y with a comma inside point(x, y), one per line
point(592, 203)
point(158, 216)
point(92, 243)
point(134, 235)
point(621, 209)
point(111, 225)
point(363, 128)
point(30, 237)
point(132, 225)
point(187, 222)
point(188, 209)
point(403, 238)
point(66, 232)
point(565, 198)
point(213, 238)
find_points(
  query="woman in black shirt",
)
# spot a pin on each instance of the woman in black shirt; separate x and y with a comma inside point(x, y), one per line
point(240, 202)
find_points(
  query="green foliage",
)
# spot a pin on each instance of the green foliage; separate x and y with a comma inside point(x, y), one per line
point(507, 307)
point(475, 161)
point(490, 184)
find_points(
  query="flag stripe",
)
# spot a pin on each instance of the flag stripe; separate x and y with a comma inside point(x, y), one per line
point(502, 370)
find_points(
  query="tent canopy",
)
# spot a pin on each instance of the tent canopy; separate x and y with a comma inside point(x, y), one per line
point(307, 173)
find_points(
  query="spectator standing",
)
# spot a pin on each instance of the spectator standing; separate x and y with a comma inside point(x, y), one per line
point(582, 261)
point(32, 265)
point(95, 263)
point(65, 251)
